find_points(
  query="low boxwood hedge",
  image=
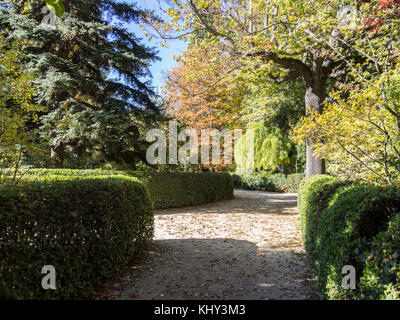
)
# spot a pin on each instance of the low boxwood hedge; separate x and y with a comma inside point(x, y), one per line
point(268, 182)
point(87, 224)
point(174, 190)
point(253, 182)
point(86, 227)
point(340, 221)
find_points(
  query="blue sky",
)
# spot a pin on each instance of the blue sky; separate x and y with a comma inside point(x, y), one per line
point(159, 68)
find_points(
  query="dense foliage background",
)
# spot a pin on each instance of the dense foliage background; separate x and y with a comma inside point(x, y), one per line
point(90, 76)
point(317, 82)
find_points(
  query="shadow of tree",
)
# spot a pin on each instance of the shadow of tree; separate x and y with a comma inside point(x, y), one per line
point(220, 269)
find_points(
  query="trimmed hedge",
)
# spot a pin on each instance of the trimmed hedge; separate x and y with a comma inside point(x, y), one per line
point(340, 220)
point(174, 190)
point(253, 182)
point(264, 182)
point(86, 227)
point(167, 190)
point(68, 173)
point(87, 224)
point(314, 193)
point(355, 215)
point(381, 276)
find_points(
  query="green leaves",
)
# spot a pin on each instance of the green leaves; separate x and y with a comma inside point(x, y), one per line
point(341, 221)
point(16, 107)
point(174, 190)
point(381, 277)
point(268, 182)
point(54, 223)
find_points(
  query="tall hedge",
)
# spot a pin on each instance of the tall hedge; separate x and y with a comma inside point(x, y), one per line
point(174, 190)
point(86, 227)
point(354, 216)
point(167, 190)
point(314, 194)
point(343, 224)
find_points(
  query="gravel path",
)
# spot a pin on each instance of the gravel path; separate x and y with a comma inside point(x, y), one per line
point(246, 248)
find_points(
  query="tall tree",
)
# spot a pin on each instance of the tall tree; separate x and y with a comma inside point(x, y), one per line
point(90, 70)
point(295, 39)
point(273, 110)
point(189, 99)
point(359, 131)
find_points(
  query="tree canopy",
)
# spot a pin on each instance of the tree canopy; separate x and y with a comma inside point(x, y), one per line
point(89, 75)
point(287, 39)
point(326, 44)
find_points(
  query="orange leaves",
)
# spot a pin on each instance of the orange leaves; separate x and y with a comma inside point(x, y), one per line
point(381, 9)
point(199, 92)
point(373, 24)
point(382, 4)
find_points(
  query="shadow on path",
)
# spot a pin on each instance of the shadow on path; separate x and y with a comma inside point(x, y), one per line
point(219, 269)
point(246, 248)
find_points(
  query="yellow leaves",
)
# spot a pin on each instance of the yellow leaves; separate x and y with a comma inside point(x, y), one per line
point(172, 12)
point(16, 107)
point(27, 7)
point(308, 127)
point(358, 131)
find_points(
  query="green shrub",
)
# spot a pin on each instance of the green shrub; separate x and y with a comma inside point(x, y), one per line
point(315, 193)
point(167, 190)
point(174, 190)
point(237, 181)
point(354, 216)
point(256, 182)
point(86, 227)
point(68, 172)
point(381, 276)
point(291, 183)
point(346, 223)
point(278, 181)
point(268, 182)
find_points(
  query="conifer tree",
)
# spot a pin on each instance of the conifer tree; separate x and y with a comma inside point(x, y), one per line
point(89, 72)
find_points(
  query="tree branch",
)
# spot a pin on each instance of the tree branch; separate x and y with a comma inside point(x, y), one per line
point(294, 65)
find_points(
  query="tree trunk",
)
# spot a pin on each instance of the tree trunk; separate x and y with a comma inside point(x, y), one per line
point(57, 154)
point(314, 164)
point(315, 95)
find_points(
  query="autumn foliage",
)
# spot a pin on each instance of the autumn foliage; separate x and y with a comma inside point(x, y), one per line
point(379, 12)
point(200, 95)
